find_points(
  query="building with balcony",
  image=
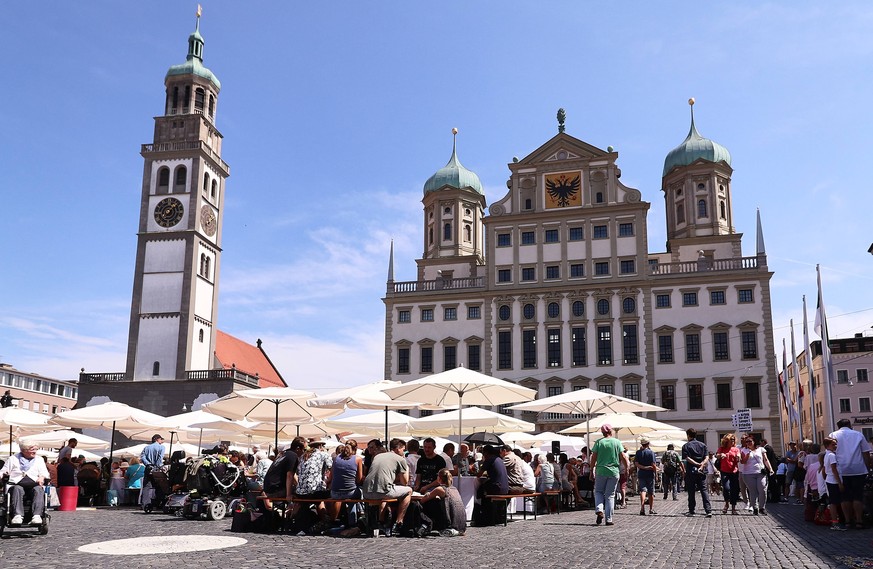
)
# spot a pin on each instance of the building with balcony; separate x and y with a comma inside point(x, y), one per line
point(556, 289)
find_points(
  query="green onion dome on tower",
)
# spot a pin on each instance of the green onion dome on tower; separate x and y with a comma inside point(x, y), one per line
point(695, 147)
point(453, 174)
point(194, 61)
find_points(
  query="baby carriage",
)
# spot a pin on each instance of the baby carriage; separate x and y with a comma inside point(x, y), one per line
point(155, 489)
point(211, 481)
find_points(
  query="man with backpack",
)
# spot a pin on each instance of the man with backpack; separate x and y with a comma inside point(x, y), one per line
point(671, 466)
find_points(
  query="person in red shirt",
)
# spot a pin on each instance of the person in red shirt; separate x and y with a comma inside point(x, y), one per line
point(728, 457)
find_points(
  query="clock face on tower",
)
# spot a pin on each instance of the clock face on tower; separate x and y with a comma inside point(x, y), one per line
point(207, 220)
point(169, 212)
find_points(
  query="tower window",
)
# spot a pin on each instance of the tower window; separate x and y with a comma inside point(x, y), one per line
point(447, 232)
point(701, 187)
point(200, 335)
point(181, 178)
point(187, 102)
point(156, 368)
point(214, 189)
point(205, 183)
point(468, 233)
point(528, 204)
point(175, 99)
point(163, 181)
point(211, 106)
point(680, 212)
point(447, 210)
point(722, 210)
point(701, 208)
point(199, 100)
point(598, 198)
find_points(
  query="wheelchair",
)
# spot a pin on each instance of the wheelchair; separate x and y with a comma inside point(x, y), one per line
point(6, 512)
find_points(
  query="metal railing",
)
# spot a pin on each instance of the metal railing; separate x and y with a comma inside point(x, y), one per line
point(183, 146)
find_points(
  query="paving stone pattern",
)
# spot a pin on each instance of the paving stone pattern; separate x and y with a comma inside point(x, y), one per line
point(668, 540)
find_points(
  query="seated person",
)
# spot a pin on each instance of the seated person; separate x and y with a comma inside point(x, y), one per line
point(27, 473)
point(493, 473)
point(388, 478)
point(312, 483)
point(444, 505)
point(429, 463)
point(281, 477)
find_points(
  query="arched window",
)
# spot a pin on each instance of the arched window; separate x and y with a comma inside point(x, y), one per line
point(202, 264)
point(199, 100)
point(200, 335)
point(214, 189)
point(205, 183)
point(468, 233)
point(701, 187)
point(430, 235)
point(187, 102)
point(211, 106)
point(528, 204)
point(175, 100)
point(156, 368)
point(163, 181)
point(722, 210)
point(207, 270)
point(680, 213)
point(447, 232)
point(701, 208)
point(181, 179)
point(599, 197)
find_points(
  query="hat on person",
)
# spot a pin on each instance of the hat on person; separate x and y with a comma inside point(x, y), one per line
point(644, 441)
point(606, 428)
point(124, 464)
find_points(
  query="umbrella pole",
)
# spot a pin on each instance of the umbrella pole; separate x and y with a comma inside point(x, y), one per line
point(386, 425)
point(171, 444)
point(460, 418)
point(112, 444)
point(276, 438)
point(10, 441)
point(200, 443)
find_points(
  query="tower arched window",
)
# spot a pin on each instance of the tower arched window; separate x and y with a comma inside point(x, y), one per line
point(199, 100)
point(214, 189)
point(680, 213)
point(175, 108)
point(468, 233)
point(181, 178)
point(430, 235)
point(722, 213)
point(205, 183)
point(599, 197)
point(202, 264)
point(447, 232)
point(163, 181)
point(701, 208)
point(211, 106)
point(207, 270)
point(156, 368)
point(200, 336)
point(186, 103)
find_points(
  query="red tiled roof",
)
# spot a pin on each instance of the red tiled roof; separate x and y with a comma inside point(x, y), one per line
point(230, 352)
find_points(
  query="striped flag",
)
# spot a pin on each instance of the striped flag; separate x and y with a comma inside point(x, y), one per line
point(806, 350)
point(821, 328)
point(797, 385)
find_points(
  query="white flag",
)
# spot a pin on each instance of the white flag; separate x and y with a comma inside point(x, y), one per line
point(821, 328)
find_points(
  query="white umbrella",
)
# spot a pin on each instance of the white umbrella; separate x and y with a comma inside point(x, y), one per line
point(23, 421)
point(569, 445)
point(191, 427)
point(372, 424)
point(623, 423)
point(475, 419)
point(136, 450)
point(56, 439)
point(587, 402)
point(523, 440)
point(270, 404)
point(461, 385)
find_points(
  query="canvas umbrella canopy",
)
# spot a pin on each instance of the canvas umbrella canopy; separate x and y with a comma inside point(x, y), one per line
point(192, 426)
point(524, 440)
point(475, 419)
point(587, 402)
point(136, 450)
point(270, 404)
point(370, 396)
point(621, 423)
point(458, 386)
point(57, 439)
point(568, 444)
point(23, 421)
point(372, 424)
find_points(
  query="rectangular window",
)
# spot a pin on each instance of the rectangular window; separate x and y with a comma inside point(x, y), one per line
point(450, 313)
point(528, 238)
point(744, 295)
point(577, 270)
point(864, 404)
point(579, 355)
point(426, 359)
point(630, 346)
point(604, 345)
point(554, 347)
point(504, 275)
point(601, 268)
point(628, 267)
point(753, 394)
point(723, 395)
point(575, 234)
point(606, 388)
point(692, 347)
point(720, 350)
point(450, 357)
point(662, 301)
point(427, 314)
point(504, 239)
point(716, 297)
point(528, 274)
point(632, 391)
point(842, 376)
point(695, 397)
point(551, 391)
point(668, 397)
point(845, 405)
point(625, 229)
point(665, 349)
point(529, 348)
point(862, 375)
point(504, 350)
point(553, 272)
point(402, 360)
point(689, 299)
point(750, 344)
point(551, 236)
point(601, 232)
point(474, 313)
point(474, 357)
point(867, 432)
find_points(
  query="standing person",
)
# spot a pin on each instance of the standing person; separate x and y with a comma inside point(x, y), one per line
point(27, 474)
point(6, 400)
point(606, 456)
point(853, 456)
point(67, 450)
point(800, 472)
point(694, 454)
point(152, 458)
point(644, 461)
point(672, 467)
point(623, 474)
point(836, 486)
point(388, 478)
point(773, 490)
point(755, 468)
point(728, 456)
point(790, 461)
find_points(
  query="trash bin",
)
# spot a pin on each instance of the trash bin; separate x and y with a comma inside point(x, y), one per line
point(69, 496)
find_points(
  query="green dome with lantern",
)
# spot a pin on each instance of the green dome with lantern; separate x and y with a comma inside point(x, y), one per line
point(695, 147)
point(453, 174)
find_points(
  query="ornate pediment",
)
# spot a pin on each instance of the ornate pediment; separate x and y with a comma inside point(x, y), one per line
point(563, 147)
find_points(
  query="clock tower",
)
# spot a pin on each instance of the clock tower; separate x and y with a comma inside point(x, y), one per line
point(178, 257)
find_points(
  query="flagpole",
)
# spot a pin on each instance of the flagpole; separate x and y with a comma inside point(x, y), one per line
point(810, 377)
point(798, 389)
point(821, 326)
point(785, 400)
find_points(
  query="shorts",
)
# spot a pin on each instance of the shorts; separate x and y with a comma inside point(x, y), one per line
point(834, 494)
point(646, 484)
point(321, 495)
point(353, 495)
point(853, 488)
point(396, 492)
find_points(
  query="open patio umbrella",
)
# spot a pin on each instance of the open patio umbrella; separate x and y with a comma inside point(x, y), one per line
point(475, 419)
point(587, 402)
point(136, 450)
point(270, 404)
point(23, 421)
point(57, 439)
point(370, 396)
point(524, 440)
point(458, 386)
point(371, 424)
point(569, 445)
point(622, 424)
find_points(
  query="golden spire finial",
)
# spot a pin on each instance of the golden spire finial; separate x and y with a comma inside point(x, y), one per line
point(199, 10)
point(455, 130)
point(691, 101)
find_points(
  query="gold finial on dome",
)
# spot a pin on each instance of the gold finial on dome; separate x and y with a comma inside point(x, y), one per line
point(691, 101)
point(455, 130)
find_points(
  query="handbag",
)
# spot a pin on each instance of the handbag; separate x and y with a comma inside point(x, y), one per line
point(27, 483)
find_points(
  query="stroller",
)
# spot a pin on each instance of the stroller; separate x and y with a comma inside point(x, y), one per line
point(177, 495)
point(6, 513)
point(155, 489)
point(211, 481)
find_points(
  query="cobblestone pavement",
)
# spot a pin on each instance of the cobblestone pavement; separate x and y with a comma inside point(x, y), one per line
point(667, 540)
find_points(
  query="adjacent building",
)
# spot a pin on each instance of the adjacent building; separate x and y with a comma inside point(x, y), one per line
point(555, 287)
point(36, 393)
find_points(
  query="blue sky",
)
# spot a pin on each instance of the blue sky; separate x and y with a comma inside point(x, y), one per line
point(334, 115)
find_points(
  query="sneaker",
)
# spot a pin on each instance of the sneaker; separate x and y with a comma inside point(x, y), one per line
point(708, 514)
point(17, 520)
point(642, 512)
point(653, 513)
point(763, 512)
point(689, 514)
point(451, 532)
point(36, 520)
point(838, 527)
point(396, 530)
point(598, 521)
point(610, 524)
point(755, 511)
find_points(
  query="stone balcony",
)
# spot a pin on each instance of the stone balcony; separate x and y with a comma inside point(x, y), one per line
point(195, 375)
point(436, 284)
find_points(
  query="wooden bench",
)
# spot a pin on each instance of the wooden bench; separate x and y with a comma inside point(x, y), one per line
point(527, 498)
point(553, 495)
